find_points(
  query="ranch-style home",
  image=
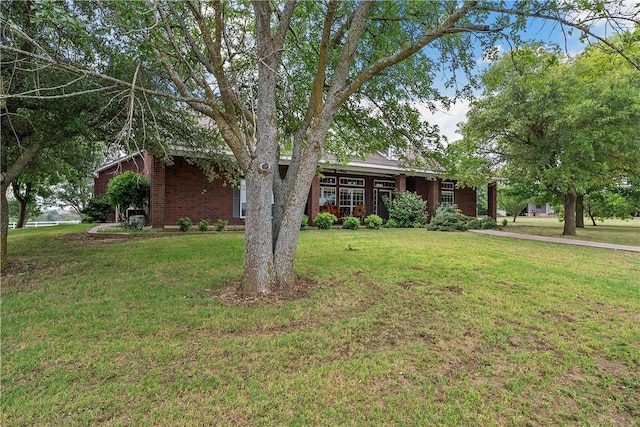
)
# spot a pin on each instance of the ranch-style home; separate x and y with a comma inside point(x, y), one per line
point(357, 188)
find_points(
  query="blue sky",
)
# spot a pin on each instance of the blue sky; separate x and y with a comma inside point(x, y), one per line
point(539, 30)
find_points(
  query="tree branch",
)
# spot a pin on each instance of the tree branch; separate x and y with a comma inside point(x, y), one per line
point(577, 25)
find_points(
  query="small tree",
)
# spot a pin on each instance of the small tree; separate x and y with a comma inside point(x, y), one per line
point(98, 209)
point(407, 209)
point(513, 199)
point(128, 189)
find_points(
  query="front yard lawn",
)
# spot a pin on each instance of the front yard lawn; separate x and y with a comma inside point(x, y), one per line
point(396, 327)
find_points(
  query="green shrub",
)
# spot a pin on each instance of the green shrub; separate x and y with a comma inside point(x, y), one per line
point(129, 189)
point(324, 220)
point(391, 223)
point(447, 208)
point(407, 208)
point(373, 221)
point(487, 223)
point(184, 223)
point(449, 218)
point(203, 225)
point(97, 210)
point(351, 223)
point(305, 222)
point(221, 224)
point(505, 222)
point(132, 225)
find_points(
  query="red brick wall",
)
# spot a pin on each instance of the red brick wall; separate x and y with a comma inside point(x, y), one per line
point(466, 198)
point(189, 193)
point(138, 164)
point(157, 199)
point(182, 189)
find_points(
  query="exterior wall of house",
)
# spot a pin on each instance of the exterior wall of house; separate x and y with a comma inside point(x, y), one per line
point(138, 163)
point(430, 190)
point(181, 189)
point(189, 193)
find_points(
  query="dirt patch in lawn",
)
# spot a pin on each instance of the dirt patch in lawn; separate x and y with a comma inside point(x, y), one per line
point(230, 293)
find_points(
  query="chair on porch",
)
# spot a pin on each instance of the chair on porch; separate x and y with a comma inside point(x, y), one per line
point(360, 211)
point(332, 209)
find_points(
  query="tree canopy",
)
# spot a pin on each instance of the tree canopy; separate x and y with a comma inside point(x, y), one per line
point(565, 125)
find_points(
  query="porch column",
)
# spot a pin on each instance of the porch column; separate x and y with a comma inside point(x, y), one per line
point(313, 201)
point(157, 196)
point(492, 200)
point(433, 196)
point(401, 183)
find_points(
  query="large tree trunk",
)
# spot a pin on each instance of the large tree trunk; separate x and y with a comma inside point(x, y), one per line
point(259, 274)
point(4, 220)
point(569, 214)
point(580, 211)
point(295, 198)
point(23, 202)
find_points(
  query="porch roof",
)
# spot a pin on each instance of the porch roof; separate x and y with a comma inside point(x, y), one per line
point(372, 164)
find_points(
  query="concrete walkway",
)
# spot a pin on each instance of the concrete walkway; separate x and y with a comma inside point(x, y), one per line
point(565, 241)
point(95, 229)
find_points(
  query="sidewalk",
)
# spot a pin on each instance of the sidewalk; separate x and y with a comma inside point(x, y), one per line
point(95, 229)
point(560, 240)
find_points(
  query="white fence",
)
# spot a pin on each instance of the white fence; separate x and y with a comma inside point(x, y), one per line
point(12, 225)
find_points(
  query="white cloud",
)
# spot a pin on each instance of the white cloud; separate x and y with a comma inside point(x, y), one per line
point(447, 120)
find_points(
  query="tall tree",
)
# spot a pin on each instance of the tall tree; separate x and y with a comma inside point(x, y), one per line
point(554, 123)
point(300, 77)
point(63, 123)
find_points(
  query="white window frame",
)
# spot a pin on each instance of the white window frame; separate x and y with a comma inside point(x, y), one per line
point(352, 182)
point(329, 190)
point(383, 183)
point(448, 186)
point(348, 208)
point(328, 180)
point(242, 200)
point(448, 194)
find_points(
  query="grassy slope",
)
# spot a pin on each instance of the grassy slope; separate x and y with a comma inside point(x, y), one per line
point(402, 327)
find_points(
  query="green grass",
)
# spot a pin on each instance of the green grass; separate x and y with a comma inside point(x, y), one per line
point(610, 231)
point(400, 327)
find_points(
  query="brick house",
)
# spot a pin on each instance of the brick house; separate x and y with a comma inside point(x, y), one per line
point(181, 189)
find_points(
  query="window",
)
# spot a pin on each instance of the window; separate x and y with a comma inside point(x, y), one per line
point(328, 180)
point(353, 182)
point(243, 198)
point(327, 196)
point(448, 186)
point(378, 183)
point(447, 197)
point(350, 198)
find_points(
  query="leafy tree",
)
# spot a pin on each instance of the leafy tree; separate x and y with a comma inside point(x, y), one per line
point(97, 209)
point(605, 204)
point(554, 123)
point(511, 203)
point(75, 194)
point(128, 190)
point(303, 78)
point(63, 124)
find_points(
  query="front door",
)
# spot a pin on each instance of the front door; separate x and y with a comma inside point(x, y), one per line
point(381, 208)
